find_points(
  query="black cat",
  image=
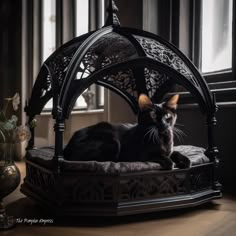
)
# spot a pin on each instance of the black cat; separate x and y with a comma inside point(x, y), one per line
point(151, 139)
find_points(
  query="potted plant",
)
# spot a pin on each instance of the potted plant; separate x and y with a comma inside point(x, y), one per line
point(10, 134)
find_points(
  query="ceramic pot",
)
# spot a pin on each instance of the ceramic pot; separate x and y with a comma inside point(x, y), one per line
point(9, 180)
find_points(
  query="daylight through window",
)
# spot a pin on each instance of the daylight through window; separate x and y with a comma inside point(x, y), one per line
point(49, 34)
point(216, 35)
point(49, 28)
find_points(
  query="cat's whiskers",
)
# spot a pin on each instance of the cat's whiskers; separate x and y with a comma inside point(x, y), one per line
point(178, 137)
point(179, 134)
point(178, 124)
point(154, 135)
point(151, 135)
point(157, 136)
point(147, 133)
point(180, 131)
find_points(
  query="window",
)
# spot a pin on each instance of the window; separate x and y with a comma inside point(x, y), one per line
point(82, 27)
point(100, 89)
point(82, 17)
point(49, 28)
point(204, 30)
point(48, 33)
point(94, 93)
point(81, 22)
point(212, 37)
point(216, 35)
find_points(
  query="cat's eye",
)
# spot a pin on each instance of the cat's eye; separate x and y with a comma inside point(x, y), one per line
point(167, 116)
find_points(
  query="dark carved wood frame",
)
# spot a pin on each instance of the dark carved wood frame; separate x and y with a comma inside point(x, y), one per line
point(125, 193)
point(73, 193)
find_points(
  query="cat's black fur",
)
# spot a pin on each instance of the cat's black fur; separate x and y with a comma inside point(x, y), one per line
point(151, 139)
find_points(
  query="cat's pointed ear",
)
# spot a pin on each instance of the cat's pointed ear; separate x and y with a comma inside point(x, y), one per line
point(144, 102)
point(172, 102)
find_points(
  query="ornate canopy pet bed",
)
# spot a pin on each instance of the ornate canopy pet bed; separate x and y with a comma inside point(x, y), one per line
point(129, 62)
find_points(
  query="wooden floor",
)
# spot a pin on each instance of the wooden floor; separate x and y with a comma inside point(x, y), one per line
point(214, 219)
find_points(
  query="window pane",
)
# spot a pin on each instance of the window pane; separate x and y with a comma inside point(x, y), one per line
point(80, 102)
point(82, 27)
point(82, 17)
point(48, 106)
point(49, 33)
point(101, 96)
point(101, 89)
point(216, 35)
point(102, 12)
point(49, 28)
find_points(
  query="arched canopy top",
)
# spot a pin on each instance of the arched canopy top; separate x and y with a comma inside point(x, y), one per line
point(128, 61)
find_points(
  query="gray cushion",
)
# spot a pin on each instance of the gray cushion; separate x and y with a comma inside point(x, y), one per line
point(195, 154)
point(44, 155)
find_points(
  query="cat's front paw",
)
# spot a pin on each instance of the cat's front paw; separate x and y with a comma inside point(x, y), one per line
point(184, 164)
point(181, 161)
point(167, 164)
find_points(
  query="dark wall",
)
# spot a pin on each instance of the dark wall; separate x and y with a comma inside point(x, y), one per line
point(130, 13)
point(226, 141)
point(195, 128)
point(10, 47)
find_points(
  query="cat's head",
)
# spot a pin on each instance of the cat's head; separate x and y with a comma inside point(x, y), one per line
point(163, 116)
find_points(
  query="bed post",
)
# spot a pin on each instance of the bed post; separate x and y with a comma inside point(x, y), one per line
point(59, 128)
point(31, 140)
point(212, 151)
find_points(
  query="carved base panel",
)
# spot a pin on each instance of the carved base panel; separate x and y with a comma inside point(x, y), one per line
point(130, 193)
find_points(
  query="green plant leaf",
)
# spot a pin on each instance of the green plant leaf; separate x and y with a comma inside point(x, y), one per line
point(2, 116)
point(13, 120)
point(8, 126)
point(33, 123)
point(1, 127)
point(2, 137)
point(1, 124)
